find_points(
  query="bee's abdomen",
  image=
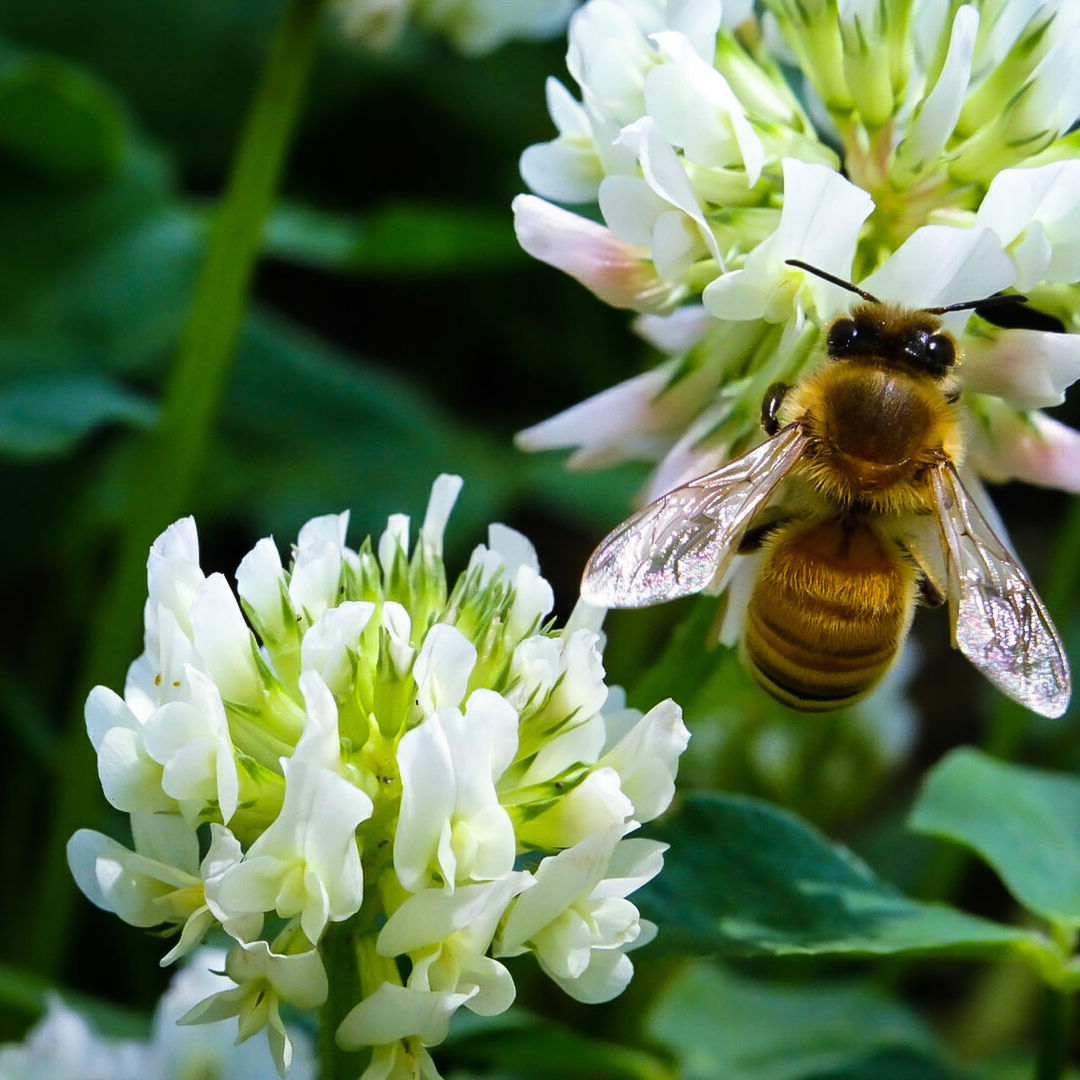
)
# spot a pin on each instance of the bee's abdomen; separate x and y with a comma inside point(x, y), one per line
point(827, 615)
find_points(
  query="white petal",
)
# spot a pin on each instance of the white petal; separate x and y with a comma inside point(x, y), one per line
point(261, 584)
point(315, 578)
point(224, 642)
point(940, 109)
point(167, 839)
point(582, 691)
point(320, 742)
point(676, 245)
point(580, 744)
point(427, 800)
point(442, 668)
point(395, 538)
point(104, 710)
point(694, 104)
point(515, 549)
point(596, 804)
point(172, 569)
point(327, 643)
point(633, 862)
point(630, 207)
point(1047, 197)
point(563, 171)
point(821, 216)
point(393, 1012)
point(675, 333)
point(608, 974)
point(327, 529)
point(698, 21)
point(664, 173)
point(647, 759)
point(567, 113)
point(560, 880)
point(398, 625)
point(819, 223)
point(431, 915)
point(130, 779)
point(493, 985)
point(941, 264)
point(444, 493)
point(117, 880)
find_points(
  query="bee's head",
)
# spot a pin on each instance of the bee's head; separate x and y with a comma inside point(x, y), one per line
point(893, 334)
point(912, 336)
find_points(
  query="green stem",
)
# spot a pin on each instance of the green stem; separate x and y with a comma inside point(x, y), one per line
point(345, 948)
point(168, 465)
point(1053, 1057)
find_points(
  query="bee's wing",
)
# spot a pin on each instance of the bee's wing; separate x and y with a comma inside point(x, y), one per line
point(680, 542)
point(999, 622)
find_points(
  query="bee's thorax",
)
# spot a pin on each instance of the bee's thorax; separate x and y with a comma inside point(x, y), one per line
point(876, 426)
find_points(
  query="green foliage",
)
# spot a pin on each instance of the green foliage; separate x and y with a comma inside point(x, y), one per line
point(1024, 822)
point(47, 416)
point(746, 879)
point(523, 1044)
point(59, 123)
point(718, 1023)
point(396, 240)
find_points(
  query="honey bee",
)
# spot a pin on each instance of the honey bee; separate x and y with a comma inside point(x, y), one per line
point(857, 508)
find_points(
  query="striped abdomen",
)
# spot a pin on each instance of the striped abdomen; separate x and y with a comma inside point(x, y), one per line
point(832, 603)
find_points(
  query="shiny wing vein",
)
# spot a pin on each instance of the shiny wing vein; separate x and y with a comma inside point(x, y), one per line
point(999, 622)
point(678, 544)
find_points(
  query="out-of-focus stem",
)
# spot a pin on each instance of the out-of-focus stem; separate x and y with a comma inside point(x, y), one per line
point(1053, 1057)
point(175, 451)
point(348, 951)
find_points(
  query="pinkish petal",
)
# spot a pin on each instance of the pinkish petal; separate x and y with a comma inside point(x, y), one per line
point(1030, 369)
point(692, 456)
point(609, 426)
point(1031, 447)
point(590, 253)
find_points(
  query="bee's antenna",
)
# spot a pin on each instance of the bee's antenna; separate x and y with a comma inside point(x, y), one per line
point(988, 301)
point(826, 276)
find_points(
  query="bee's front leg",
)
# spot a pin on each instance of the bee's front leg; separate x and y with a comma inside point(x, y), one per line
point(770, 406)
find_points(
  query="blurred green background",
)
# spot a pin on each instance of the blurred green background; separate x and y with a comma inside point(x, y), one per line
point(396, 332)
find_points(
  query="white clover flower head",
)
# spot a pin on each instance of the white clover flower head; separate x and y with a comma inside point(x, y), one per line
point(958, 175)
point(472, 26)
point(356, 742)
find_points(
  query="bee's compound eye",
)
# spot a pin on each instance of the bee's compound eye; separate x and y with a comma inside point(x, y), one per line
point(940, 351)
point(844, 337)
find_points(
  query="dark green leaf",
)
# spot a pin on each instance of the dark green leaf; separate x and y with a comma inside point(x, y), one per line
point(743, 878)
point(105, 284)
point(720, 1024)
point(49, 415)
point(1024, 822)
point(25, 992)
point(58, 121)
point(308, 427)
point(527, 1045)
point(398, 239)
point(894, 1065)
